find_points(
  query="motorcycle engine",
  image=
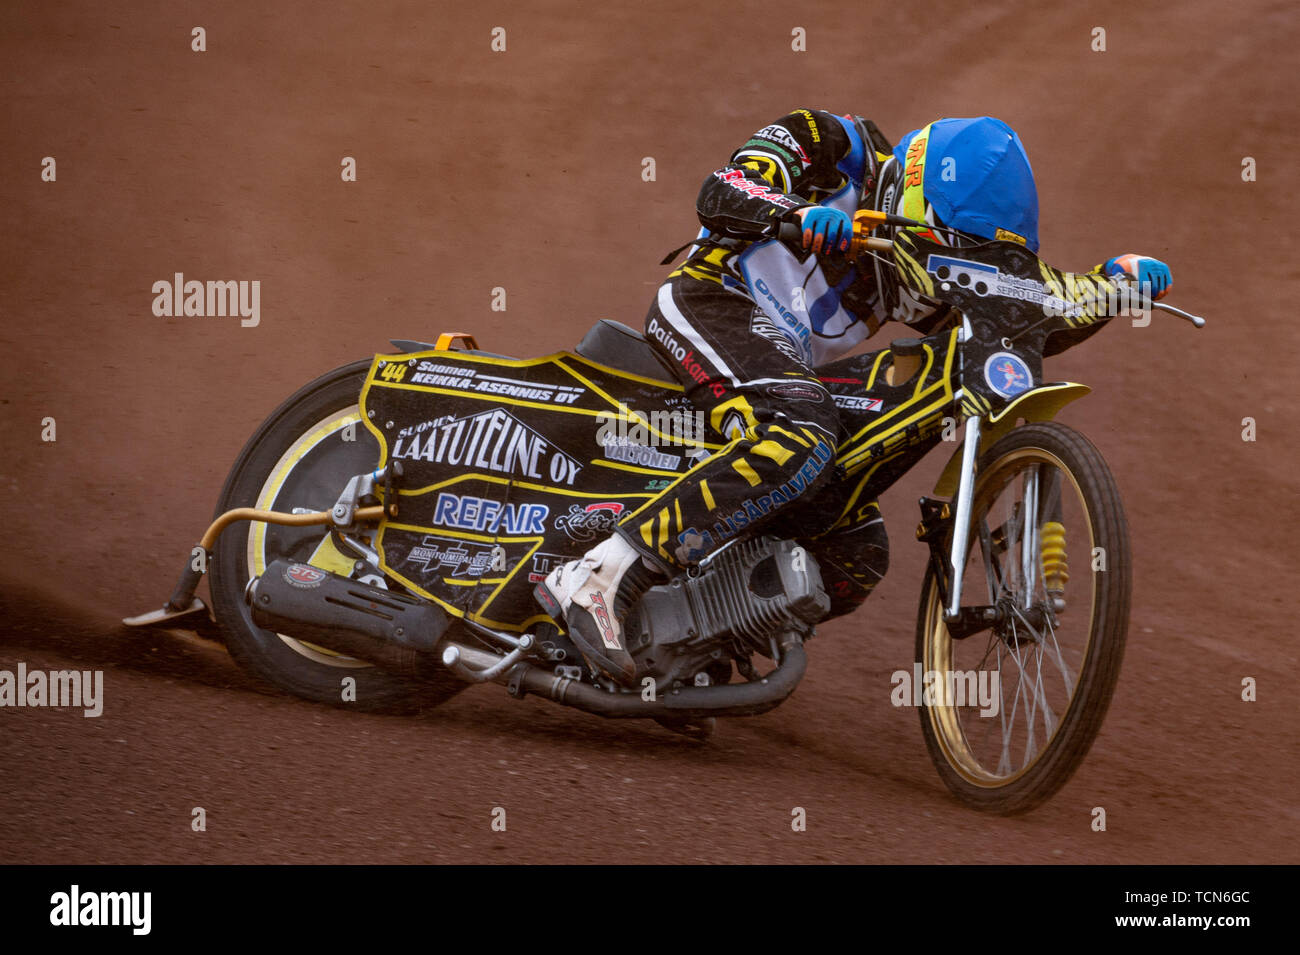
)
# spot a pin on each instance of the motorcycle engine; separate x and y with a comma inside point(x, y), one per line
point(688, 630)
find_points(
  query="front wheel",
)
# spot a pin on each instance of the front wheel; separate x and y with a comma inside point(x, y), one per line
point(302, 457)
point(1010, 710)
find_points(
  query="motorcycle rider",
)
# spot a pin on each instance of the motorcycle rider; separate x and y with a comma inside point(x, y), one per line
point(746, 357)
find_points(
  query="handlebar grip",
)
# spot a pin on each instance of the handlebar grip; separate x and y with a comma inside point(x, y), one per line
point(790, 232)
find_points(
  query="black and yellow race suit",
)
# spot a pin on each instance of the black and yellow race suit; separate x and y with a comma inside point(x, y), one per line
point(746, 320)
point(753, 377)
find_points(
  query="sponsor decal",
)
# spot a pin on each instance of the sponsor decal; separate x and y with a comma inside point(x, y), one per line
point(887, 198)
point(976, 276)
point(441, 375)
point(857, 402)
point(490, 441)
point(459, 559)
point(587, 522)
point(793, 322)
point(761, 324)
point(694, 543)
point(548, 602)
point(797, 391)
point(304, 576)
point(754, 149)
point(601, 613)
point(1008, 236)
point(685, 357)
point(627, 451)
point(764, 163)
point(757, 190)
point(914, 169)
point(783, 136)
point(1007, 374)
point(466, 513)
point(812, 124)
point(989, 280)
point(544, 563)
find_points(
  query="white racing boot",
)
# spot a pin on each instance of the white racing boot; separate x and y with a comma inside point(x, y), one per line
point(591, 596)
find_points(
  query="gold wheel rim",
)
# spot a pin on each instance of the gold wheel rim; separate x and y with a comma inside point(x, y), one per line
point(937, 648)
point(311, 438)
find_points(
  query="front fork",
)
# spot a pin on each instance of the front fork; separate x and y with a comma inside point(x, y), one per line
point(950, 567)
point(961, 521)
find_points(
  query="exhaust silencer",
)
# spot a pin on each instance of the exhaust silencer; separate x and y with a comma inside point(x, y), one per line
point(391, 630)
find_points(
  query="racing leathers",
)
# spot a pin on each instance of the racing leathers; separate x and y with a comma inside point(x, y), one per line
point(744, 322)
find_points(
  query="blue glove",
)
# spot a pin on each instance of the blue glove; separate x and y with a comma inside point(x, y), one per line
point(826, 230)
point(1144, 270)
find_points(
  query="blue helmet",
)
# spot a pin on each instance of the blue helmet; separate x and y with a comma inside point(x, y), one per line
point(971, 175)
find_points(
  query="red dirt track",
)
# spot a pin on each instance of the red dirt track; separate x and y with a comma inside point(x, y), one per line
point(523, 170)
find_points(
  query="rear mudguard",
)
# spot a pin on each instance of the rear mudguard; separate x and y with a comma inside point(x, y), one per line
point(1037, 404)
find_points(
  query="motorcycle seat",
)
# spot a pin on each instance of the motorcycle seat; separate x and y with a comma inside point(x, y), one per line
point(614, 344)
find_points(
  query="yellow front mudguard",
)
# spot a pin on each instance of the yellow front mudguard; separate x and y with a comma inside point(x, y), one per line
point(1036, 404)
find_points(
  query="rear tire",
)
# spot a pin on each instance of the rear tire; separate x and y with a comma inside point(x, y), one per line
point(299, 458)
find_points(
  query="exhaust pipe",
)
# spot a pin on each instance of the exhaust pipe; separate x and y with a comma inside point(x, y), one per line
point(388, 629)
point(690, 702)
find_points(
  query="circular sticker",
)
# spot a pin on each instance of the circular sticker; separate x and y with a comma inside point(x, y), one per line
point(1007, 374)
point(304, 575)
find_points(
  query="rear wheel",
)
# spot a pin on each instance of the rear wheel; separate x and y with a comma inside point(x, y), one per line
point(302, 457)
point(1045, 671)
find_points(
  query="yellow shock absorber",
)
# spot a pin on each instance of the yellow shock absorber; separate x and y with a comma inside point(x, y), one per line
point(1056, 570)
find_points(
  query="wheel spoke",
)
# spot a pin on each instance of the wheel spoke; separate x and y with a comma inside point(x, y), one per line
point(993, 643)
point(1029, 537)
point(1004, 759)
point(1031, 747)
point(1050, 721)
point(1066, 675)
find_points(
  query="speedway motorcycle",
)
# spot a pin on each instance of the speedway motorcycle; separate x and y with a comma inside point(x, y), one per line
point(378, 540)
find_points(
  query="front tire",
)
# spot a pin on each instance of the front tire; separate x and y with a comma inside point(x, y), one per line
point(302, 456)
point(1062, 643)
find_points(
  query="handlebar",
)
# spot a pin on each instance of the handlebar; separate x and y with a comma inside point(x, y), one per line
point(792, 232)
point(1196, 320)
point(1146, 302)
point(864, 220)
